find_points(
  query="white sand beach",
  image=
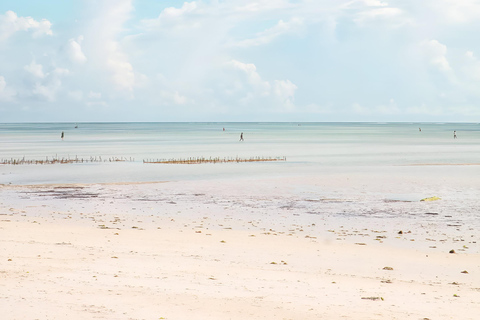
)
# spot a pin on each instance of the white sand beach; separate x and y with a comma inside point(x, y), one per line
point(239, 160)
point(322, 247)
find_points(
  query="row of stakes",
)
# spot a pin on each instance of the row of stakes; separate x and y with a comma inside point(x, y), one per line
point(192, 160)
point(56, 160)
point(199, 160)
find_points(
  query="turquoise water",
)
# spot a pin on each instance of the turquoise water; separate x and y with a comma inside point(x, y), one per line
point(307, 147)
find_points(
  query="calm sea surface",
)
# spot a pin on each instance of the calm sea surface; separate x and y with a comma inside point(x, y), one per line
point(306, 146)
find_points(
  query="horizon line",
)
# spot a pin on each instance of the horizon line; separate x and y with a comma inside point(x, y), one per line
point(375, 122)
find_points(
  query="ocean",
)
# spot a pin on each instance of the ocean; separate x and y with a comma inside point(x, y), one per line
point(307, 147)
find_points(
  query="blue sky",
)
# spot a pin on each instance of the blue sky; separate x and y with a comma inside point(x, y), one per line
point(232, 60)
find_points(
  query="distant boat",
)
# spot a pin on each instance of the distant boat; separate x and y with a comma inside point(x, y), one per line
point(76, 126)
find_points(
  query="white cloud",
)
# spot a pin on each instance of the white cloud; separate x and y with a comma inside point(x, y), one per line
point(61, 71)
point(294, 25)
point(387, 14)
point(174, 20)
point(376, 13)
point(435, 53)
point(47, 86)
point(314, 108)
point(174, 98)
point(179, 99)
point(76, 95)
point(390, 108)
point(375, 3)
point(456, 11)
point(282, 92)
point(195, 44)
point(253, 77)
point(94, 95)
point(263, 5)
point(385, 109)
point(46, 92)
point(424, 109)
point(174, 13)
point(74, 50)
point(6, 93)
point(97, 104)
point(359, 109)
point(467, 109)
point(220, 16)
point(472, 67)
point(105, 46)
point(122, 71)
point(35, 69)
point(285, 91)
point(11, 23)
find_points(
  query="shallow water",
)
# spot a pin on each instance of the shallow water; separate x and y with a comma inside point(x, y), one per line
point(309, 148)
point(355, 174)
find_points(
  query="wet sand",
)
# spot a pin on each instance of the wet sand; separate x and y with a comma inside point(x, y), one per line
point(323, 247)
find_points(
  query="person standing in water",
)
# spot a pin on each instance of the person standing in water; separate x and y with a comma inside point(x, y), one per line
point(63, 135)
point(454, 134)
point(241, 136)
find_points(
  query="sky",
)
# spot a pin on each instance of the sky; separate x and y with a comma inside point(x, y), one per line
point(240, 60)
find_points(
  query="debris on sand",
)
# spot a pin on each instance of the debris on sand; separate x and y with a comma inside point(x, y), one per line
point(434, 198)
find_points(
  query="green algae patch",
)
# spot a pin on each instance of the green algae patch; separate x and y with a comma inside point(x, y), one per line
point(435, 198)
